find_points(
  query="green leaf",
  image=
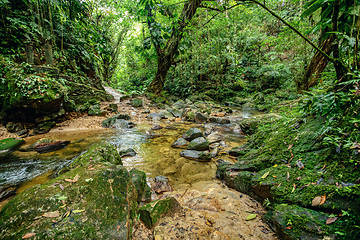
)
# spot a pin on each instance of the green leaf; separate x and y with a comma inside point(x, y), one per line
point(250, 217)
point(313, 7)
point(266, 174)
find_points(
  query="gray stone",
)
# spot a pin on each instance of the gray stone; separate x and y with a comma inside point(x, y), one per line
point(179, 104)
point(136, 102)
point(161, 185)
point(127, 153)
point(180, 143)
point(155, 116)
point(198, 144)
point(219, 120)
point(196, 155)
point(165, 114)
point(199, 117)
point(214, 137)
point(192, 133)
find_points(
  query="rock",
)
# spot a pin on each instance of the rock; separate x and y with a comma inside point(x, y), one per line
point(161, 185)
point(308, 223)
point(124, 97)
point(150, 134)
point(170, 127)
point(179, 104)
point(214, 137)
point(128, 153)
point(48, 145)
point(8, 145)
point(138, 178)
point(175, 112)
point(152, 212)
point(198, 144)
point(238, 151)
point(250, 125)
point(102, 201)
point(190, 116)
point(156, 116)
point(96, 111)
point(23, 133)
point(147, 111)
point(112, 107)
point(219, 120)
point(118, 121)
point(192, 133)
point(180, 143)
point(7, 191)
point(157, 127)
point(214, 152)
point(136, 102)
point(199, 117)
point(101, 152)
point(14, 127)
point(196, 155)
point(44, 127)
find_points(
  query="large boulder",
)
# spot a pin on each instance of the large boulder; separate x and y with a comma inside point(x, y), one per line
point(94, 200)
point(136, 102)
point(118, 121)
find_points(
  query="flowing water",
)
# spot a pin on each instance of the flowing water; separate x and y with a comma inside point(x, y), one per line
point(155, 156)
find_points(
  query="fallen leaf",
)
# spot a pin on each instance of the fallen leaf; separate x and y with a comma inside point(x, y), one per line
point(274, 176)
point(270, 149)
point(275, 165)
point(279, 185)
point(65, 215)
point(76, 178)
point(323, 199)
point(51, 214)
point(316, 201)
point(294, 187)
point(89, 180)
point(290, 146)
point(289, 227)
point(91, 169)
point(28, 235)
point(61, 186)
point(300, 164)
point(78, 211)
point(63, 206)
point(68, 180)
point(287, 176)
point(331, 220)
point(266, 174)
point(250, 217)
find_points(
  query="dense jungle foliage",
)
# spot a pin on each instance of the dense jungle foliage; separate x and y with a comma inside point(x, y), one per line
point(296, 58)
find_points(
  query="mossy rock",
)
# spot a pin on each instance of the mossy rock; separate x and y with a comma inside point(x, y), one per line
point(96, 111)
point(124, 97)
point(109, 122)
point(305, 223)
point(138, 178)
point(152, 212)
point(44, 127)
point(136, 102)
point(101, 152)
point(100, 204)
point(198, 144)
point(201, 156)
point(8, 145)
point(192, 133)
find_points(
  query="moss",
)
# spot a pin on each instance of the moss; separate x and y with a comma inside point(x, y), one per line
point(10, 143)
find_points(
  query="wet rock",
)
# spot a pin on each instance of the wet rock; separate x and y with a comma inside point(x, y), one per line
point(219, 120)
point(196, 155)
point(175, 112)
point(8, 145)
point(190, 116)
point(14, 127)
point(136, 102)
point(96, 111)
point(179, 104)
point(307, 223)
point(198, 144)
point(43, 128)
point(199, 117)
point(150, 134)
point(214, 152)
point(152, 212)
point(170, 127)
point(161, 185)
point(146, 111)
point(23, 133)
point(192, 133)
point(49, 145)
point(110, 183)
point(238, 151)
point(157, 127)
point(128, 153)
point(156, 116)
point(123, 116)
point(7, 191)
point(112, 107)
point(138, 178)
point(180, 143)
point(214, 137)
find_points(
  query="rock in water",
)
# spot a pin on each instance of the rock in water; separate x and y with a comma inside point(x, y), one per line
point(196, 155)
point(214, 137)
point(157, 127)
point(180, 143)
point(128, 153)
point(192, 133)
point(9, 145)
point(219, 120)
point(199, 117)
point(161, 185)
point(198, 144)
point(48, 145)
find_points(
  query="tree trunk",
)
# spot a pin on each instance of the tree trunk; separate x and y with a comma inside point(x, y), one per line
point(167, 54)
point(29, 53)
point(48, 54)
point(316, 66)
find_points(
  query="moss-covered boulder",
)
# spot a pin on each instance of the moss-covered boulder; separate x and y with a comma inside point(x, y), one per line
point(95, 110)
point(118, 121)
point(152, 212)
point(94, 200)
point(8, 145)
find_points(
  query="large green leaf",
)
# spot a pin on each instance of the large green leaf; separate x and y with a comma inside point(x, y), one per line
point(313, 6)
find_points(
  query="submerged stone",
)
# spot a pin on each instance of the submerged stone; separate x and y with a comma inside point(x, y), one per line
point(127, 153)
point(161, 185)
point(180, 143)
point(214, 137)
point(219, 120)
